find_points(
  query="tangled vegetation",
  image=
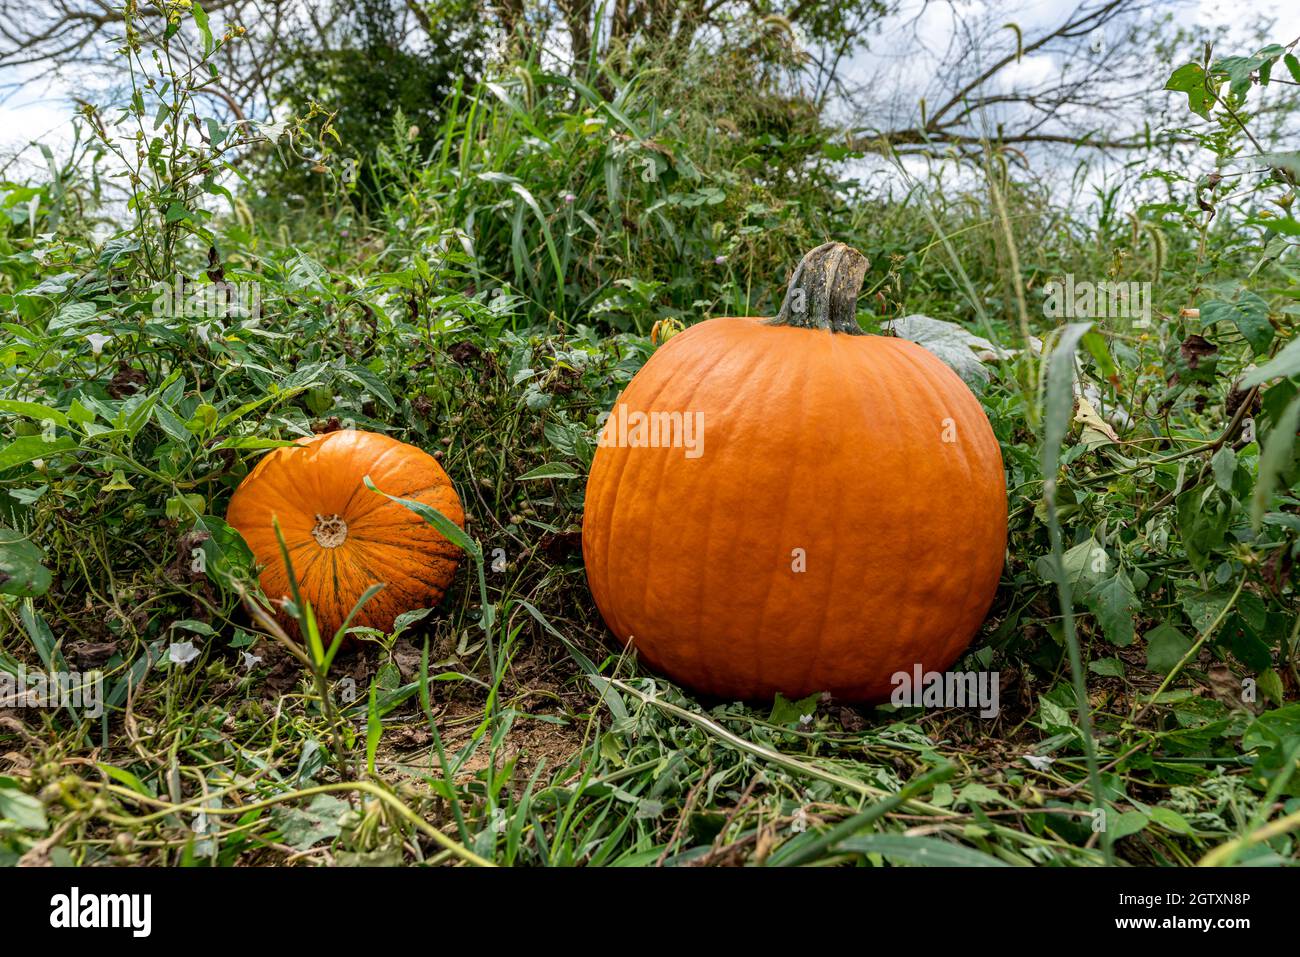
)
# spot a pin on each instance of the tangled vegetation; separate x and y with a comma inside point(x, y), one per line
point(485, 295)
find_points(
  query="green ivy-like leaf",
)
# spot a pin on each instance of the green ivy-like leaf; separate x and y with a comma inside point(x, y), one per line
point(21, 571)
point(1192, 80)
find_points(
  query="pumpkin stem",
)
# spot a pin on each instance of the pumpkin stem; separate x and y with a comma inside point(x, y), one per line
point(330, 531)
point(823, 292)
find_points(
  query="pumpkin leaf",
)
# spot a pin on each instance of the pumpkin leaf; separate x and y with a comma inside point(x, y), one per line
point(961, 350)
point(786, 713)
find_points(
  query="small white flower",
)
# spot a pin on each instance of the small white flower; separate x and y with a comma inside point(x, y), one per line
point(805, 720)
point(569, 197)
point(182, 652)
point(251, 660)
point(1039, 763)
point(97, 340)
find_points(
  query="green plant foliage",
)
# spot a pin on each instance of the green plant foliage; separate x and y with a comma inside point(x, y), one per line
point(485, 295)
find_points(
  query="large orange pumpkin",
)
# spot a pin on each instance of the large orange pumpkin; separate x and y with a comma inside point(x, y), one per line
point(839, 515)
point(342, 537)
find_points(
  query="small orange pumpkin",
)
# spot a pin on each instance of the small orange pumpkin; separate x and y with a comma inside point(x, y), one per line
point(343, 538)
point(839, 514)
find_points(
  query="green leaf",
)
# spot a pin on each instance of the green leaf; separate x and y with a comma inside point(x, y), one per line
point(34, 410)
point(126, 778)
point(1192, 80)
point(1274, 460)
point(918, 851)
point(374, 728)
point(551, 470)
point(1249, 313)
point(1285, 363)
point(1224, 465)
point(1130, 822)
point(21, 571)
point(172, 424)
point(29, 448)
point(226, 556)
point(319, 821)
point(80, 414)
point(786, 713)
point(1270, 685)
point(1238, 70)
point(1202, 607)
point(1239, 637)
point(21, 810)
point(1203, 518)
point(1115, 603)
point(117, 483)
point(1096, 345)
point(1292, 66)
point(1170, 820)
point(371, 383)
point(441, 523)
point(1060, 395)
point(201, 21)
point(1273, 727)
point(1085, 566)
point(1107, 667)
point(1166, 646)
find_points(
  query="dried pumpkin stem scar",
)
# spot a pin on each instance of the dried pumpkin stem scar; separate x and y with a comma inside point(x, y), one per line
point(330, 531)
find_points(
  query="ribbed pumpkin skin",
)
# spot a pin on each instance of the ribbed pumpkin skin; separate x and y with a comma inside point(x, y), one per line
point(322, 476)
point(813, 440)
